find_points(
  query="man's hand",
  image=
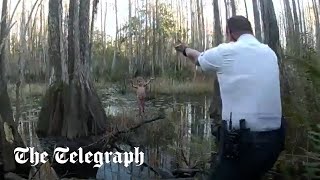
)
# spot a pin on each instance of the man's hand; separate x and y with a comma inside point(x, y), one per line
point(180, 47)
point(192, 53)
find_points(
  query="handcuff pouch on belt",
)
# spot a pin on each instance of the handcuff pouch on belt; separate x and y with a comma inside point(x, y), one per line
point(229, 140)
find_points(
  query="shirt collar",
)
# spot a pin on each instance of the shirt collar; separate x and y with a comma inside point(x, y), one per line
point(247, 37)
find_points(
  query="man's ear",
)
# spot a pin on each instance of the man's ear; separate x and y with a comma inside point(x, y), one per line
point(233, 36)
point(229, 35)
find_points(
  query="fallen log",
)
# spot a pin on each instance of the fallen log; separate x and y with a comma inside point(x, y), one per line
point(109, 139)
point(140, 124)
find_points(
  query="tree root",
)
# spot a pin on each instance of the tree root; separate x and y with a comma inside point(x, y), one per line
point(71, 110)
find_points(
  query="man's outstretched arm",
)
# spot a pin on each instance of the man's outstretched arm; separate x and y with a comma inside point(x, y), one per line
point(193, 55)
point(208, 60)
point(190, 53)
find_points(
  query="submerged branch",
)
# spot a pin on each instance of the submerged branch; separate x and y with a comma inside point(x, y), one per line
point(139, 125)
point(110, 138)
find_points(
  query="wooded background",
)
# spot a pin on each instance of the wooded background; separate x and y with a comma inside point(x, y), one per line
point(142, 41)
point(58, 43)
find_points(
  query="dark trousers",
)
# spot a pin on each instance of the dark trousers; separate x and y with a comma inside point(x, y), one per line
point(258, 151)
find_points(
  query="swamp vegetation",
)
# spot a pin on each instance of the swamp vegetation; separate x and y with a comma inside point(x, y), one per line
point(65, 67)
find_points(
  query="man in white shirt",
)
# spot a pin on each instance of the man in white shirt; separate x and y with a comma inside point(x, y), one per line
point(248, 76)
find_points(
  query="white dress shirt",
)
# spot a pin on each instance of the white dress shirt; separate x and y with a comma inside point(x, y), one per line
point(248, 76)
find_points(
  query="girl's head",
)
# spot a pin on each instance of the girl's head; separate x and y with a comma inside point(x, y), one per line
point(140, 81)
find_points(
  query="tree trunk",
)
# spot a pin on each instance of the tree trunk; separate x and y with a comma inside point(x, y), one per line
point(202, 26)
point(215, 109)
point(300, 23)
point(9, 136)
point(151, 54)
point(304, 21)
point(271, 31)
point(130, 39)
point(93, 13)
point(63, 46)
point(103, 35)
point(192, 22)
point(246, 8)
point(71, 109)
point(145, 53)
point(154, 44)
point(54, 38)
point(317, 25)
point(115, 53)
point(22, 56)
point(290, 37)
point(84, 35)
point(297, 47)
point(256, 15)
point(199, 29)
point(51, 125)
point(296, 19)
point(233, 7)
point(217, 26)
point(227, 9)
point(158, 37)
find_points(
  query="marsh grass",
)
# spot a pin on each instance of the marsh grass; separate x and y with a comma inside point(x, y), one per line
point(163, 86)
point(189, 87)
point(120, 122)
point(28, 90)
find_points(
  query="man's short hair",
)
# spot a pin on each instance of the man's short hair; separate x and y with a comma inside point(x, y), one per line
point(239, 24)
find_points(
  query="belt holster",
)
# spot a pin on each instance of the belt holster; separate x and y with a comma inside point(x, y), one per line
point(229, 140)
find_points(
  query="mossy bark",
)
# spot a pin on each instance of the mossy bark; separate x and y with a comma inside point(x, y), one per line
point(71, 106)
point(73, 110)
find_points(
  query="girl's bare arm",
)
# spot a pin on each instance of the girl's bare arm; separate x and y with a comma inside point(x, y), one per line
point(149, 81)
point(134, 86)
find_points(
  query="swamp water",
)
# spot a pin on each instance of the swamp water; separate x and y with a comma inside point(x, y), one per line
point(181, 140)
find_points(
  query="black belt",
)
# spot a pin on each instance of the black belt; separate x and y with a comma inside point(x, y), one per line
point(229, 141)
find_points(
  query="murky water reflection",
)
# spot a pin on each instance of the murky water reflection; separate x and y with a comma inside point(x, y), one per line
point(182, 139)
